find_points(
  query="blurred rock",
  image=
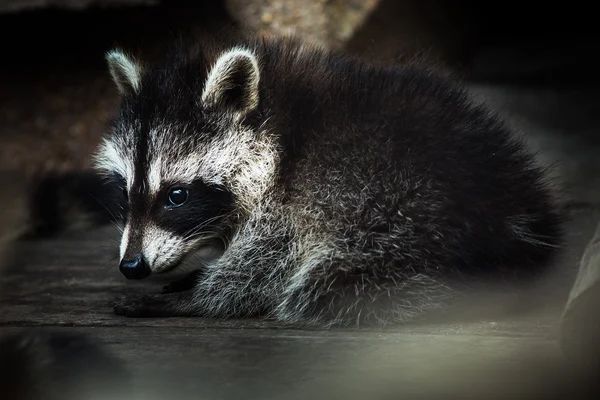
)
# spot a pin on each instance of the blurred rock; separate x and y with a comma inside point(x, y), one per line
point(327, 22)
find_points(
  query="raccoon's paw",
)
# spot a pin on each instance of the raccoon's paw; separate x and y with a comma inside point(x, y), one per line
point(138, 306)
point(148, 306)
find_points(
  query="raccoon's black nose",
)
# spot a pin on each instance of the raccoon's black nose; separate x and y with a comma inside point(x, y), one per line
point(135, 268)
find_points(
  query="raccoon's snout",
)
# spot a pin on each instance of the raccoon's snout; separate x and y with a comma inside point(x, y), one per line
point(135, 268)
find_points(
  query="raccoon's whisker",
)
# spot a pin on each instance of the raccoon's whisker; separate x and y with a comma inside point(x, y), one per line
point(194, 230)
point(104, 247)
point(211, 235)
point(265, 122)
point(196, 234)
point(111, 263)
point(117, 228)
point(111, 237)
point(198, 231)
point(114, 217)
point(202, 225)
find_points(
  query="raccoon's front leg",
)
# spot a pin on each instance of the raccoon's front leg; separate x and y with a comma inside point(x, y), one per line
point(248, 278)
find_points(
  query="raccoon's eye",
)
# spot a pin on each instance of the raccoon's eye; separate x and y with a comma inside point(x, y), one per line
point(177, 197)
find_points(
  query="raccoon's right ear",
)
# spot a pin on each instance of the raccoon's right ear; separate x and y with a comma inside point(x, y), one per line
point(232, 83)
point(126, 71)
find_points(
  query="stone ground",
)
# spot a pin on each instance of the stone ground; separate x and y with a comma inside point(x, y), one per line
point(52, 109)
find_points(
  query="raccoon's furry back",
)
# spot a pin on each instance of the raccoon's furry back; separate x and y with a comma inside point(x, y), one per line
point(410, 185)
point(399, 158)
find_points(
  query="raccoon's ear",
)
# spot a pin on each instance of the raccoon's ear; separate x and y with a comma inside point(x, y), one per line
point(232, 82)
point(126, 71)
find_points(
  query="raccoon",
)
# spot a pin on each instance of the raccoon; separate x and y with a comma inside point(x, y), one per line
point(327, 189)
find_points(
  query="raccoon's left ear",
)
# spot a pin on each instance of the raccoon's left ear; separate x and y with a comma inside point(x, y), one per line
point(125, 71)
point(232, 82)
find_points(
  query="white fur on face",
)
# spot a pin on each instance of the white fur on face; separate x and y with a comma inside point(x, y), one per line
point(111, 158)
point(125, 71)
point(243, 161)
point(161, 248)
point(170, 161)
point(124, 241)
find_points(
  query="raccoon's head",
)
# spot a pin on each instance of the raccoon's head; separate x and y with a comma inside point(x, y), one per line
point(190, 150)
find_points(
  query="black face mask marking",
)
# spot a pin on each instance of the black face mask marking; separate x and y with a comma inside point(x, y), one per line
point(190, 209)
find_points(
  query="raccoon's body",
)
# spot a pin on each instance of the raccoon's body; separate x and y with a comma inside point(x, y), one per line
point(343, 192)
